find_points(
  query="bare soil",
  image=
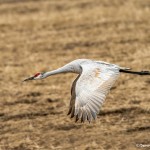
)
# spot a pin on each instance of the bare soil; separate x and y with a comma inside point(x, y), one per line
point(41, 35)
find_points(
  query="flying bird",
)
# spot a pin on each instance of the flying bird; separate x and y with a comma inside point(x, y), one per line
point(90, 88)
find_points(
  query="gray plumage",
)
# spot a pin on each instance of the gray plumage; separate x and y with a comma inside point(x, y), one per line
point(90, 88)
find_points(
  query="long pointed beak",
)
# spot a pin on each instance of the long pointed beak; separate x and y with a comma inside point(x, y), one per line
point(30, 78)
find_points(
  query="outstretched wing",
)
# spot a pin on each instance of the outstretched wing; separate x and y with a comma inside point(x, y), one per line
point(73, 97)
point(90, 89)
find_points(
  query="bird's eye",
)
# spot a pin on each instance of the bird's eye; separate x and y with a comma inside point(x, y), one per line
point(72, 68)
point(42, 74)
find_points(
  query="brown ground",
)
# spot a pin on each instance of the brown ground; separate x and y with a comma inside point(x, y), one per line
point(41, 35)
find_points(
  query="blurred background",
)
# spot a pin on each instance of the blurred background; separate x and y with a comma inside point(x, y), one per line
point(41, 35)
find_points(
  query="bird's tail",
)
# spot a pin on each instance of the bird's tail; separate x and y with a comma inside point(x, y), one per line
point(128, 70)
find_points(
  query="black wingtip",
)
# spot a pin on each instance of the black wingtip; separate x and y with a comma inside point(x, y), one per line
point(135, 72)
point(77, 118)
point(69, 112)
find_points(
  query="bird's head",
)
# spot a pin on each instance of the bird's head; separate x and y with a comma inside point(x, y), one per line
point(35, 77)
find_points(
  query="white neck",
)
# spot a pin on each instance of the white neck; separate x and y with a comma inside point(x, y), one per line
point(74, 67)
point(63, 69)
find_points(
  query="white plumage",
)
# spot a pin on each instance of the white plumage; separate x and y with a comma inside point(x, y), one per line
point(91, 86)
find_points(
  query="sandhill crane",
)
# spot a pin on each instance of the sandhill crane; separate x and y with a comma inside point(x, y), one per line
point(89, 89)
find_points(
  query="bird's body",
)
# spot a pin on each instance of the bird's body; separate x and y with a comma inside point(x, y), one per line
point(89, 89)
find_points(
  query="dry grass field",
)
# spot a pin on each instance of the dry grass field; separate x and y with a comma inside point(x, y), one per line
point(41, 35)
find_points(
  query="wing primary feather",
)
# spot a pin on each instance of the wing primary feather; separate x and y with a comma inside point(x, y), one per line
point(77, 118)
point(82, 119)
point(72, 113)
point(69, 112)
point(96, 103)
point(92, 112)
point(88, 114)
point(84, 115)
point(93, 106)
point(73, 97)
point(80, 112)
